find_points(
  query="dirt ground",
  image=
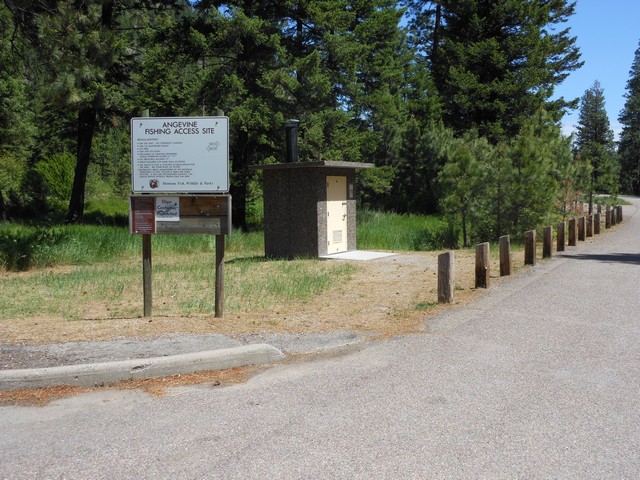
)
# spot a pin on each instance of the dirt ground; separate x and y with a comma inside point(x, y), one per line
point(385, 296)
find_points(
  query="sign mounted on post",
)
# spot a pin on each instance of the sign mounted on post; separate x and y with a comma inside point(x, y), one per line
point(151, 214)
point(180, 154)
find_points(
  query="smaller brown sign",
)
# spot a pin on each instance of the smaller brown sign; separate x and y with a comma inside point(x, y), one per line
point(142, 216)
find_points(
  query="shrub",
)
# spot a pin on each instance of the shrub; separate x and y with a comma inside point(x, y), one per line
point(56, 172)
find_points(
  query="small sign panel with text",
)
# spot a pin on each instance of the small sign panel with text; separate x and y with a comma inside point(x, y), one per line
point(180, 154)
point(168, 209)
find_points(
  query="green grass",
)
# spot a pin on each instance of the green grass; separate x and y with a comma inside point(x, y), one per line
point(388, 231)
point(23, 247)
point(107, 211)
point(610, 200)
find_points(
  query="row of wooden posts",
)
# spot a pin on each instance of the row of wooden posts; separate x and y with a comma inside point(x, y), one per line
point(579, 229)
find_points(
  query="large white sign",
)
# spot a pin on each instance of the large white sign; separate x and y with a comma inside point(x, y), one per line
point(180, 154)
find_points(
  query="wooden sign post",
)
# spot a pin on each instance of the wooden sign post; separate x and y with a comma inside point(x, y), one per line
point(179, 214)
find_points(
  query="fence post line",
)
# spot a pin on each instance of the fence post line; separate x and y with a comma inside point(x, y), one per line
point(483, 265)
point(572, 232)
point(530, 247)
point(561, 237)
point(547, 239)
point(581, 229)
point(505, 255)
point(445, 277)
point(596, 224)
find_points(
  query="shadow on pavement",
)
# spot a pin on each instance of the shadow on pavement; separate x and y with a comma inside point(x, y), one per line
point(629, 258)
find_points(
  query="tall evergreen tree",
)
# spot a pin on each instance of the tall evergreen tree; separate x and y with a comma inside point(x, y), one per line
point(86, 48)
point(239, 45)
point(339, 66)
point(495, 63)
point(629, 145)
point(595, 143)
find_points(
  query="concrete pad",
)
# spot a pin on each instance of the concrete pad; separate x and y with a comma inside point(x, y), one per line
point(357, 255)
point(98, 374)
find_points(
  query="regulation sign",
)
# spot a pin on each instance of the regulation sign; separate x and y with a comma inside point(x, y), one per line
point(180, 154)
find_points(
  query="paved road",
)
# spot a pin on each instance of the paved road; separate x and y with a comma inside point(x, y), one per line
point(538, 379)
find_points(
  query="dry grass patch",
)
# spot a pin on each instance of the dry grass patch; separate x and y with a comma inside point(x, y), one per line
point(157, 387)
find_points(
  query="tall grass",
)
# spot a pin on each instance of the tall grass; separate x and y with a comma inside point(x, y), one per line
point(23, 246)
point(389, 231)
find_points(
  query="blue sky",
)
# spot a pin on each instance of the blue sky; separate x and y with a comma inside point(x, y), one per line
point(608, 35)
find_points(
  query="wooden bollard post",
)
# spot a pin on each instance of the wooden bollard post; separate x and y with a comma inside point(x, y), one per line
point(613, 216)
point(482, 265)
point(445, 277)
point(572, 232)
point(547, 238)
point(607, 219)
point(589, 232)
point(619, 213)
point(581, 229)
point(505, 255)
point(561, 237)
point(530, 247)
point(596, 224)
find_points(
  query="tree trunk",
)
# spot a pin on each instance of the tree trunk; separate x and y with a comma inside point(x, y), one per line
point(241, 176)
point(3, 213)
point(86, 127)
point(436, 34)
point(465, 242)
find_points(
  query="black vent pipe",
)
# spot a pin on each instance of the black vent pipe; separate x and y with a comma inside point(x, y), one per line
point(292, 140)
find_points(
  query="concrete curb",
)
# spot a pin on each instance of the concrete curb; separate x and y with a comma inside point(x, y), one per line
point(98, 374)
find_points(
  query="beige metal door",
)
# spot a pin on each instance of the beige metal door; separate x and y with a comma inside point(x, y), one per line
point(336, 214)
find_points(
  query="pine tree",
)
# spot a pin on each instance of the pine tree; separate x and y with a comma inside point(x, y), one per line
point(86, 50)
point(339, 66)
point(595, 143)
point(17, 131)
point(629, 145)
point(495, 63)
point(461, 180)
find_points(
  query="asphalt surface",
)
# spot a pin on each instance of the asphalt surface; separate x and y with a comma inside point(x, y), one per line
point(540, 378)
